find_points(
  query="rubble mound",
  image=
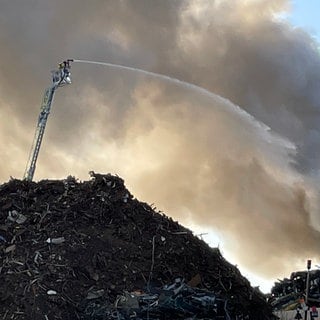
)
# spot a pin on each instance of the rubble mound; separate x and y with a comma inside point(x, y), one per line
point(65, 244)
point(287, 294)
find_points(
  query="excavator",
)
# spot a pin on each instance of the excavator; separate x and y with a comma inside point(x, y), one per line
point(60, 78)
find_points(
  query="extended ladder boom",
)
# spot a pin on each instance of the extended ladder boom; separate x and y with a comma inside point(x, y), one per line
point(60, 78)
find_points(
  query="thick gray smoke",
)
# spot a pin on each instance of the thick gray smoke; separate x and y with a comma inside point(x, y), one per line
point(246, 164)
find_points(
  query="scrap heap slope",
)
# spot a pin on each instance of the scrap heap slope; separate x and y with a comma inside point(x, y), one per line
point(64, 242)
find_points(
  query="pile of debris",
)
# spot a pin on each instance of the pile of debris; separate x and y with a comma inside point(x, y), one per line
point(82, 250)
point(177, 301)
point(287, 294)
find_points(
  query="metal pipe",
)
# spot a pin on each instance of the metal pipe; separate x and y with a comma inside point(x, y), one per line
point(307, 288)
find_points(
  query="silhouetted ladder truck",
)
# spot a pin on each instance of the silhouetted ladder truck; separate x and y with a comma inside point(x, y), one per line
point(60, 78)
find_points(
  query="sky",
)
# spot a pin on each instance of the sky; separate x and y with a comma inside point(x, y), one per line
point(305, 14)
point(226, 142)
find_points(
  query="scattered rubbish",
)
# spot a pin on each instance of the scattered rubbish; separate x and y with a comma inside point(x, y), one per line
point(127, 301)
point(37, 257)
point(107, 258)
point(94, 294)
point(14, 216)
point(195, 281)
point(51, 292)
point(55, 240)
point(10, 248)
point(188, 303)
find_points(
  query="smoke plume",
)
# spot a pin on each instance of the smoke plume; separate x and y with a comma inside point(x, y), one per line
point(240, 155)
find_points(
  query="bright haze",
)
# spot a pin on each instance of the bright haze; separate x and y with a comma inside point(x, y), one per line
point(240, 156)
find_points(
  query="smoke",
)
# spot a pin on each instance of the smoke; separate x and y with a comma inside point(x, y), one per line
point(247, 164)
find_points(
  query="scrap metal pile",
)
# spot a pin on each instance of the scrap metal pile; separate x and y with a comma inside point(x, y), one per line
point(287, 293)
point(177, 301)
point(89, 250)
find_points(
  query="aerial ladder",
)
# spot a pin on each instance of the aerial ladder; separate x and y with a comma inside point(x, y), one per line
point(60, 78)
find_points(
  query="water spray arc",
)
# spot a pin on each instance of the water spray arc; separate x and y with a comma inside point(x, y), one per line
point(233, 107)
point(157, 76)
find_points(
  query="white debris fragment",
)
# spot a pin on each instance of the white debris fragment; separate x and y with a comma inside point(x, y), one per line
point(55, 240)
point(51, 292)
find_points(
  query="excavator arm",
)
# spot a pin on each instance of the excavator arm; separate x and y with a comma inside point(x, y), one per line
point(60, 77)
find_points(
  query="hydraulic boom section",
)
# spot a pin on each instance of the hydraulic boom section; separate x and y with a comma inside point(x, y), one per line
point(60, 77)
